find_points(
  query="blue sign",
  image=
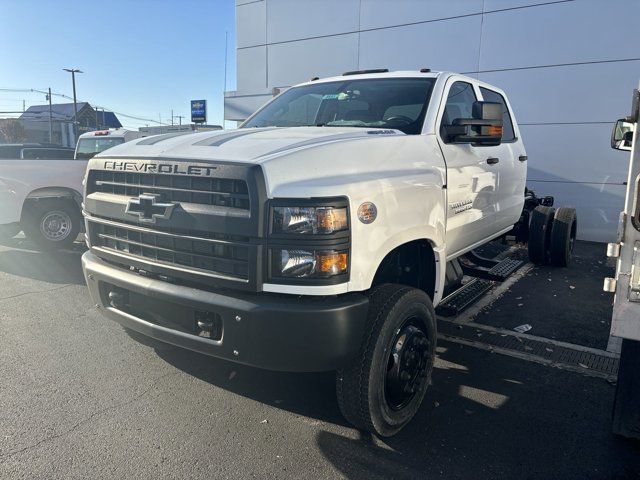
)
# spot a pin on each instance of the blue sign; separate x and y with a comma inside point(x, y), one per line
point(198, 111)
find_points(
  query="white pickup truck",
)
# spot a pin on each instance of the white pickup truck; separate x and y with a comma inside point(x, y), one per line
point(41, 185)
point(320, 234)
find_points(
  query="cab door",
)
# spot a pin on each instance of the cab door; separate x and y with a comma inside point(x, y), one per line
point(471, 174)
point(511, 167)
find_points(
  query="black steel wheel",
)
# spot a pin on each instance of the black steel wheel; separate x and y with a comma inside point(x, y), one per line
point(382, 389)
point(540, 234)
point(408, 364)
point(563, 236)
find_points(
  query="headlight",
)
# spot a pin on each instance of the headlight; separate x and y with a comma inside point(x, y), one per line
point(305, 263)
point(309, 220)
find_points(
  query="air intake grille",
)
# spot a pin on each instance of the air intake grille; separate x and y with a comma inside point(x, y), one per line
point(218, 258)
point(223, 192)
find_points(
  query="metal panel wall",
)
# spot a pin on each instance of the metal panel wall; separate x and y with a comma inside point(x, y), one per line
point(423, 45)
point(251, 24)
point(301, 19)
point(294, 62)
point(564, 63)
point(252, 69)
point(382, 13)
point(558, 33)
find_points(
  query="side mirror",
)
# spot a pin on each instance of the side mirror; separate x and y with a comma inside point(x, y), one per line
point(485, 128)
point(622, 135)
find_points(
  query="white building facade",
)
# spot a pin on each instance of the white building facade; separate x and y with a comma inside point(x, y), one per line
point(568, 67)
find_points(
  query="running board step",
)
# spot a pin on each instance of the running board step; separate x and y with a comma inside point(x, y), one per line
point(498, 273)
point(463, 297)
point(505, 268)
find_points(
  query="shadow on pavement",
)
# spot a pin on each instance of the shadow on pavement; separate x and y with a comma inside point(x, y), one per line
point(58, 267)
point(489, 416)
point(485, 416)
point(308, 394)
point(565, 304)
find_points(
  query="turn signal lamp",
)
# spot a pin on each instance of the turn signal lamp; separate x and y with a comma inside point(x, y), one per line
point(495, 130)
point(332, 263)
point(299, 263)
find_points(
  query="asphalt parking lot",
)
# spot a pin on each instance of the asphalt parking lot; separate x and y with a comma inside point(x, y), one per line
point(81, 398)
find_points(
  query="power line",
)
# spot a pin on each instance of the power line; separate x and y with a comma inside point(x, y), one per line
point(62, 95)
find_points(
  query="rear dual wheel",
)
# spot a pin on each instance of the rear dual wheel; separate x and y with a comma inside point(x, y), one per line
point(563, 237)
point(383, 388)
point(540, 234)
point(552, 235)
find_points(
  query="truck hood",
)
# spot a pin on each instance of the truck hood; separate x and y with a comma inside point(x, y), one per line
point(251, 145)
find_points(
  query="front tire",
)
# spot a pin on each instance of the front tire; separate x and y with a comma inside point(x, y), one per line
point(382, 389)
point(52, 224)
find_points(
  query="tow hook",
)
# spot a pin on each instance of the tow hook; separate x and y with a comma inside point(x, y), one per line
point(116, 299)
point(208, 325)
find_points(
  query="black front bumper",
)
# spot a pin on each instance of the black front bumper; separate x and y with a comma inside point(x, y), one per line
point(275, 332)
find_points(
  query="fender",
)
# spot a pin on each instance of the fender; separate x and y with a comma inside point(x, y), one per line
point(402, 239)
point(53, 192)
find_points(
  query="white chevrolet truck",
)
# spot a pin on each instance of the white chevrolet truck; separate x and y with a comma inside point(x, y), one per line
point(40, 193)
point(41, 187)
point(321, 234)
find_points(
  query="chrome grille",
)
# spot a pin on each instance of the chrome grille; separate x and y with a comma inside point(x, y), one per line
point(223, 192)
point(218, 258)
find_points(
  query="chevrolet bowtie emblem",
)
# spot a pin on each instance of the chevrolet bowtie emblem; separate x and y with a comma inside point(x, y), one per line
point(149, 207)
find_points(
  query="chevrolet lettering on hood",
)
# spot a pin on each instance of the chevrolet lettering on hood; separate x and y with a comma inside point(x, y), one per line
point(170, 168)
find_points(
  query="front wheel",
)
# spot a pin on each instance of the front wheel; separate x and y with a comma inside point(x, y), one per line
point(383, 388)
point(52, 224)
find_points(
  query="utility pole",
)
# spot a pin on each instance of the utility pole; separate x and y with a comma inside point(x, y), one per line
point(50, 117)
point(23, 106)
point(180, 117)
point(172, 116)
point(73, 72)
point(224, 87)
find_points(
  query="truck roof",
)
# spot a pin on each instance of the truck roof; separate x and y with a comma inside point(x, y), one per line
point(368, 74)
point(264, 141)
point(111, 132)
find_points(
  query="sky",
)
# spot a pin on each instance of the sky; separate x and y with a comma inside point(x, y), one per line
point(139, 57)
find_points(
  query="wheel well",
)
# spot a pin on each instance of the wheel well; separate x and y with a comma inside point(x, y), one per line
point(55, 192)
point(411, 264)
point(51, 193)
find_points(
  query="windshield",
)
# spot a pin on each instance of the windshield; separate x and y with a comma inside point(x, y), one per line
point(399, 103)
point(89, 147)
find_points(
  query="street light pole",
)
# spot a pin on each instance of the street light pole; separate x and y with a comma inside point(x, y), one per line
point(50, 117)
point(73, 72)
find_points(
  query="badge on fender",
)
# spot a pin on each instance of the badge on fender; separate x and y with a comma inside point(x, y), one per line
point(367, 212)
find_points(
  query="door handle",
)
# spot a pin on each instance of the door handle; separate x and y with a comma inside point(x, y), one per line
point(492, 160)
point(523, 158)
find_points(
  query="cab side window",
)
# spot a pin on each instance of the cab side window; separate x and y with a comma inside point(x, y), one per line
point(508, 134)
point(459, 105)
point(47, 154)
